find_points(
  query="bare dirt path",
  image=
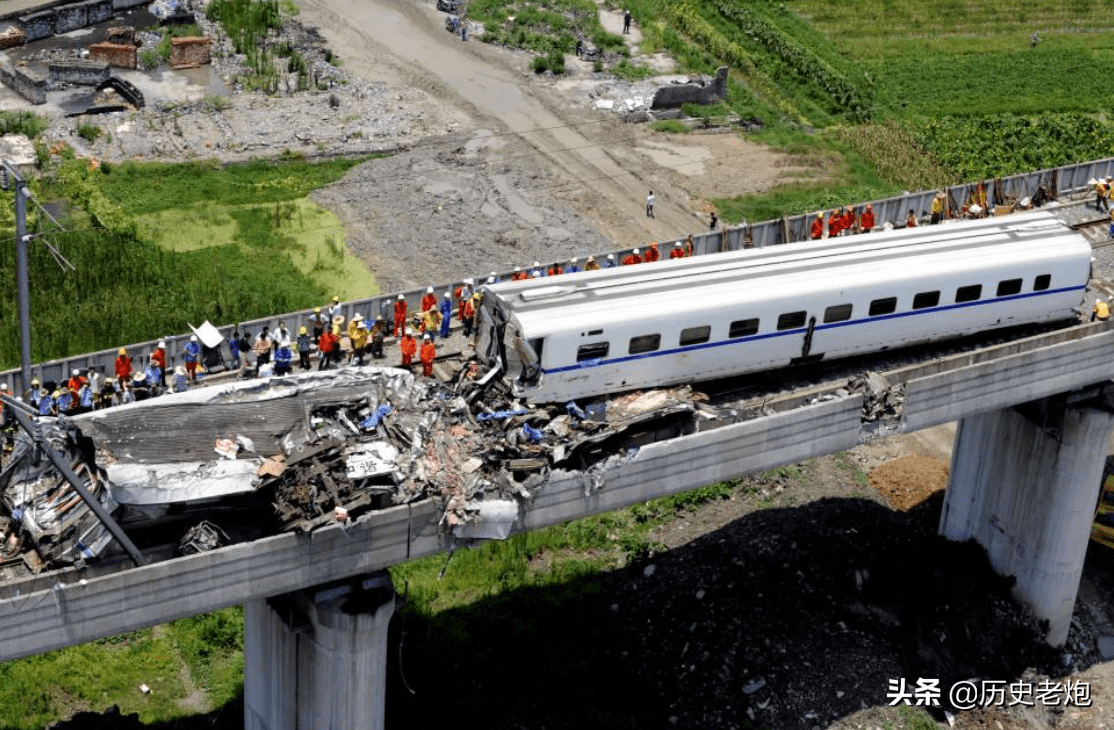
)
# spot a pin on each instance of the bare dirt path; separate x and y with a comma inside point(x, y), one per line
point(599, 173)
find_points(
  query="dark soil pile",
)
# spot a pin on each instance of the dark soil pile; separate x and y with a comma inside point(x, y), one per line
point(784, 619)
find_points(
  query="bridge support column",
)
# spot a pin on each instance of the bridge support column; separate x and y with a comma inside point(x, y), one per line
point(1023, 483)
point(316, 659)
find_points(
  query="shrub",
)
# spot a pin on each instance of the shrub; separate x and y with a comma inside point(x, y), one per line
point(148, 59)
point(22, 122)
point(89, 132)
point(540, 64)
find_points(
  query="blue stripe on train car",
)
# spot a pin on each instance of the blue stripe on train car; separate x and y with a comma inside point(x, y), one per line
point(596, 362)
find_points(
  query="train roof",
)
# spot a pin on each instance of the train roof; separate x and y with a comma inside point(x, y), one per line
point(554, 301)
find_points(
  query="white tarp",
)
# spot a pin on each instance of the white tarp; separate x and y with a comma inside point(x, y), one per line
point(209, 335)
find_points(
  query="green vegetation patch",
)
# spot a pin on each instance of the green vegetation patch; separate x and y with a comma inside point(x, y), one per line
point(550, 28)
point(276, 253)
point(41, 689)
point(549, 558)
point(21, 122)
point(309, 235)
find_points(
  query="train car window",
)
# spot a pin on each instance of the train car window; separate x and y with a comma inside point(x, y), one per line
point(695, 335)
point(538, 345)
point(883, 306)
point(1042, 282)
point(644, 343)
point(594, 351)
point(791, 320)
point(968, 293)
point(926, 299)
point(592, 333)
point(743, 327)
point(838, 313)
point(1008, 287)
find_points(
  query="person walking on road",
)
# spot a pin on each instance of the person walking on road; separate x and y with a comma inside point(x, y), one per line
point(650, 205)
point(626, 21)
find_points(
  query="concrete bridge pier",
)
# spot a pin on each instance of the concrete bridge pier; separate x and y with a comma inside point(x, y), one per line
point(1024, 483)
point(316, 659)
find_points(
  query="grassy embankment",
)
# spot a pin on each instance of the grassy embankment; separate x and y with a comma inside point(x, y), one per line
point(157, 246)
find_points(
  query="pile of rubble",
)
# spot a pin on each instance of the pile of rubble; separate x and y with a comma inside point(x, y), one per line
point(320, 449)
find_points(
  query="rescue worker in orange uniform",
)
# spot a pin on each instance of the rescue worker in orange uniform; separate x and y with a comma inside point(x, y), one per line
point(76, 381)
point(519, 274)
point(429, 300)
point(400, 315)
point(652, 253)
point(866, 220)
point(325, 346)
point(123, 365)
point(678, 251)
point(555, 270)
point(429, 351)
point(835, 223)
point(848, 220)
point(408, 346)
point(159, 356)
point(468, 313)
point(634, 257)
point(816, 232)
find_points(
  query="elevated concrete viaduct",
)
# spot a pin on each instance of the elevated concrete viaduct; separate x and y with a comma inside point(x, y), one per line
point(1034, 418)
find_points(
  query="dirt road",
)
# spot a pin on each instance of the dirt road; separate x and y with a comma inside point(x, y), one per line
point(598, 173)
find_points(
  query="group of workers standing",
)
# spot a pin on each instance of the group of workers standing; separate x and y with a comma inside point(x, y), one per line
point(680, 249)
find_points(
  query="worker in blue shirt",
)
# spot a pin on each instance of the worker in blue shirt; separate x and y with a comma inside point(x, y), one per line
point(63, 400)
point(303, 347)
point(193, 351)
point(446, 313)
point(283, 356)
point(573, 267)
point(153, 376)
point(46, 403)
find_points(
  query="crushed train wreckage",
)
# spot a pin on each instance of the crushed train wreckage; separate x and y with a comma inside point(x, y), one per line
point(240, 460)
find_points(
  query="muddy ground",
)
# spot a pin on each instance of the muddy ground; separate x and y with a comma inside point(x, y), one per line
point(790, 606)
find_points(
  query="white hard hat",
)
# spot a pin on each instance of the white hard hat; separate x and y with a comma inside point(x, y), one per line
point(491, 280)
point(408, 331)
point(611, 256)
point(429, 290)
point(469, 281)
point(400, 297)
point(75, 372)
point(518, 268)
point(162, 344)
point(677, 245)
point(575, 259)
point(425, 336)
point(537, 264)
point(448, 295)
point(492, 274)
point(635, 252)
point(193, 338)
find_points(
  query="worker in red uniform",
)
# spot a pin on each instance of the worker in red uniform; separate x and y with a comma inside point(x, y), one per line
point(555, 270)
point(817, 229)
point(634, 257)
point(911, 220)
point(400, 315)
point(866, 220)
point(848, 220)
point(123, 365)
point(678, 251)
point(519, 274)
point(429, 300)
point(652, 253)
point(429, 351)
point(835, 223)
point(326, 344)
point(159, 356)
point(408, 346)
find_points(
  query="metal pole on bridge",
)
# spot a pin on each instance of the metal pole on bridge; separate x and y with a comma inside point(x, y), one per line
point(10, 178)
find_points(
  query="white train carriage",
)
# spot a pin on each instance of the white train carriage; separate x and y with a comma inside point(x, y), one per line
point(687, 320)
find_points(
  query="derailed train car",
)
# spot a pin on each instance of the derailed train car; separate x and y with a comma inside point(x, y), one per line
point(687, 320)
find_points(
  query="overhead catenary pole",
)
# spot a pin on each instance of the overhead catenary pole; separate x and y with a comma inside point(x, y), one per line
point(9, 177)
